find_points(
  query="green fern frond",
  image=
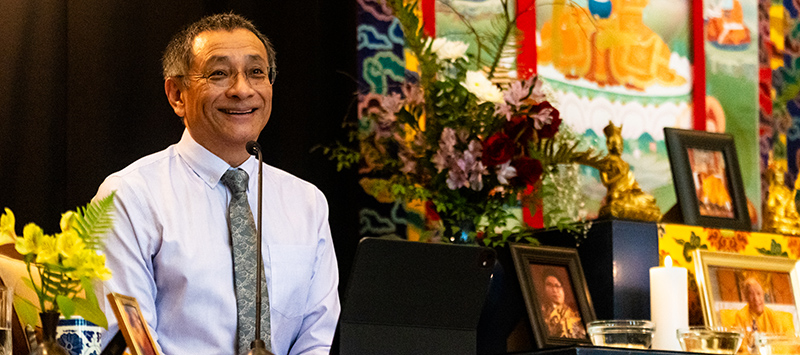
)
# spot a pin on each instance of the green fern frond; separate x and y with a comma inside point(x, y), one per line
point(95, 220)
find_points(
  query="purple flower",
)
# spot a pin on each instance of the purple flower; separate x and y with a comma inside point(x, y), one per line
point(456, 177)
point(448, 140)
point(476, 176)
point(543, 117)
point(475, 148)
point(504, 109)
point(505, 172)
point(440, 160)
point(518, 92)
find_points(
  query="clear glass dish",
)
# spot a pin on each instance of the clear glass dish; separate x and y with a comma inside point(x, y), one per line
point(775, 344)
point(624, 333)
point(710, 340)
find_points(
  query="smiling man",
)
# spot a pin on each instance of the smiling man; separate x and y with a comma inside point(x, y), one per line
point(562, 321)
point(754, 316)
point(185, 216)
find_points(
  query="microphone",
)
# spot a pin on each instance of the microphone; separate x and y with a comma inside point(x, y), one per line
point(257, 347)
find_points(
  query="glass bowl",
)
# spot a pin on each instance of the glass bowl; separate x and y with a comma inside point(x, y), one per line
point(774, 344)
point(710, 340)
point(625, 333)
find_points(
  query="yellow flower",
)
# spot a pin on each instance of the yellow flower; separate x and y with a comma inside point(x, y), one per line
point(99, 266)
point(87, 263)
point(7, 234)
point(29, 242)
point(67, 220)
point(48, 253)
point(69, 243)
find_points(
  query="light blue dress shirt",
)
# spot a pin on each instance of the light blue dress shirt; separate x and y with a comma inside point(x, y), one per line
point(170, 249)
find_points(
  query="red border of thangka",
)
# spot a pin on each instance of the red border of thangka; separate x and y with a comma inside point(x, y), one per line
point(698, 71)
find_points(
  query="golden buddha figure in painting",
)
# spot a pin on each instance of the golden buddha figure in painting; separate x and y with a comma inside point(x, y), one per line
point(780, 210)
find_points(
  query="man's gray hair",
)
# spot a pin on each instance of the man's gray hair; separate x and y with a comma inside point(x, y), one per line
point(749, 282)
point(178, 57)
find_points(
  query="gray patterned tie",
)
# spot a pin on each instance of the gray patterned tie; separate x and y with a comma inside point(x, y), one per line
point(243, 239)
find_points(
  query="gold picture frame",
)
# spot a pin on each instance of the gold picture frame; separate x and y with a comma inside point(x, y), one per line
point(725, 281)
point(132, 325)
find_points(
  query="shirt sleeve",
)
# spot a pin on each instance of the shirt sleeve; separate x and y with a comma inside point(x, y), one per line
point(322, 307)
point(129, 249)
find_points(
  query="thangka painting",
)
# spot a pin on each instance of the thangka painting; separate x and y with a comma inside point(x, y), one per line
point(381, 70)
point(730, 29)
point(622, 61)
point(680, 242)
point(780, 62)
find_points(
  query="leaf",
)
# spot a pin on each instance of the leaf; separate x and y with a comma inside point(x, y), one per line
point(66, 306)
point(90, 311)
point(95, 220)
point(28, 312)
point(88, 289)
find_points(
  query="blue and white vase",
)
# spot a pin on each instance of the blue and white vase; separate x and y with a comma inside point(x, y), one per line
point(79, 336)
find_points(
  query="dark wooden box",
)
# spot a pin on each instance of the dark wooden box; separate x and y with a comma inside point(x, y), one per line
point(616, 257)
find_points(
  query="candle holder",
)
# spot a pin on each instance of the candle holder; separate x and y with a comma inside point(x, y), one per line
point(633, 334)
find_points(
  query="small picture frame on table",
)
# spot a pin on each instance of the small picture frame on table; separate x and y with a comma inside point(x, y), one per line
point(707, 179)
point(748, 292)
point(555, 293)
point(132, 325)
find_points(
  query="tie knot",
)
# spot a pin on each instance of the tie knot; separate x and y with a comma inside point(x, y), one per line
point(235, 180)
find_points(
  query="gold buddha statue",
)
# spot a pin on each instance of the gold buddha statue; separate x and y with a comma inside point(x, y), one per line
point(624, 198)
point(780, 211)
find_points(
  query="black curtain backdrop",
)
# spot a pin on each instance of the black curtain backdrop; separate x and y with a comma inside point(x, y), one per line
point(81, 96)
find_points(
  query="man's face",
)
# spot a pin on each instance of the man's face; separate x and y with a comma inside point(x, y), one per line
point(553, 290)
point(755, 298)
point(222, 117)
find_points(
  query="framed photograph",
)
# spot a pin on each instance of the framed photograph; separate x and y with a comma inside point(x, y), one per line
point(750, 292)
point(132, 325)
point(555, 293)
point(707, 179)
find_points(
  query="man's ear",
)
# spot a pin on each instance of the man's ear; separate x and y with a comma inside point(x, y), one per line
point(174, 89)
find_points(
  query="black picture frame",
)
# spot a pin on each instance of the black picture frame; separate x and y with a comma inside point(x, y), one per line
point(693, 206)
point(527, 260)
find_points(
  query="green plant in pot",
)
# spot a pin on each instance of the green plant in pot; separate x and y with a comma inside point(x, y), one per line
point(62, 267)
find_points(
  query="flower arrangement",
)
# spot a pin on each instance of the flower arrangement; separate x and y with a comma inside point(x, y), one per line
point(451, 137)
point(66, 263)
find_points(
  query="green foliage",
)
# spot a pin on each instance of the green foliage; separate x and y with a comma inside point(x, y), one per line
point(95, 220)
point(688, 247)
point(26, 310)
point(430, 143)
point(775, 249)
point(70, 273)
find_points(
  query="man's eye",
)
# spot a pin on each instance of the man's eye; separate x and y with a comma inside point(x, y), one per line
point(257, 73)
point(217, 74)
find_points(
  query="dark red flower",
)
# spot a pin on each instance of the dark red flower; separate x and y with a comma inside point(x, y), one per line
point(497, 149)
point(550, 130)
point(430, 212)
point(529, 171)
point(520, 129)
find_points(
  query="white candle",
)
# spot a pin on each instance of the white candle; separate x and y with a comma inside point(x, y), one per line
point(669, 304)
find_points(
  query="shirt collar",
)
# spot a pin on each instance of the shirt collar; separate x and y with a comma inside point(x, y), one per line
point(206, 164)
